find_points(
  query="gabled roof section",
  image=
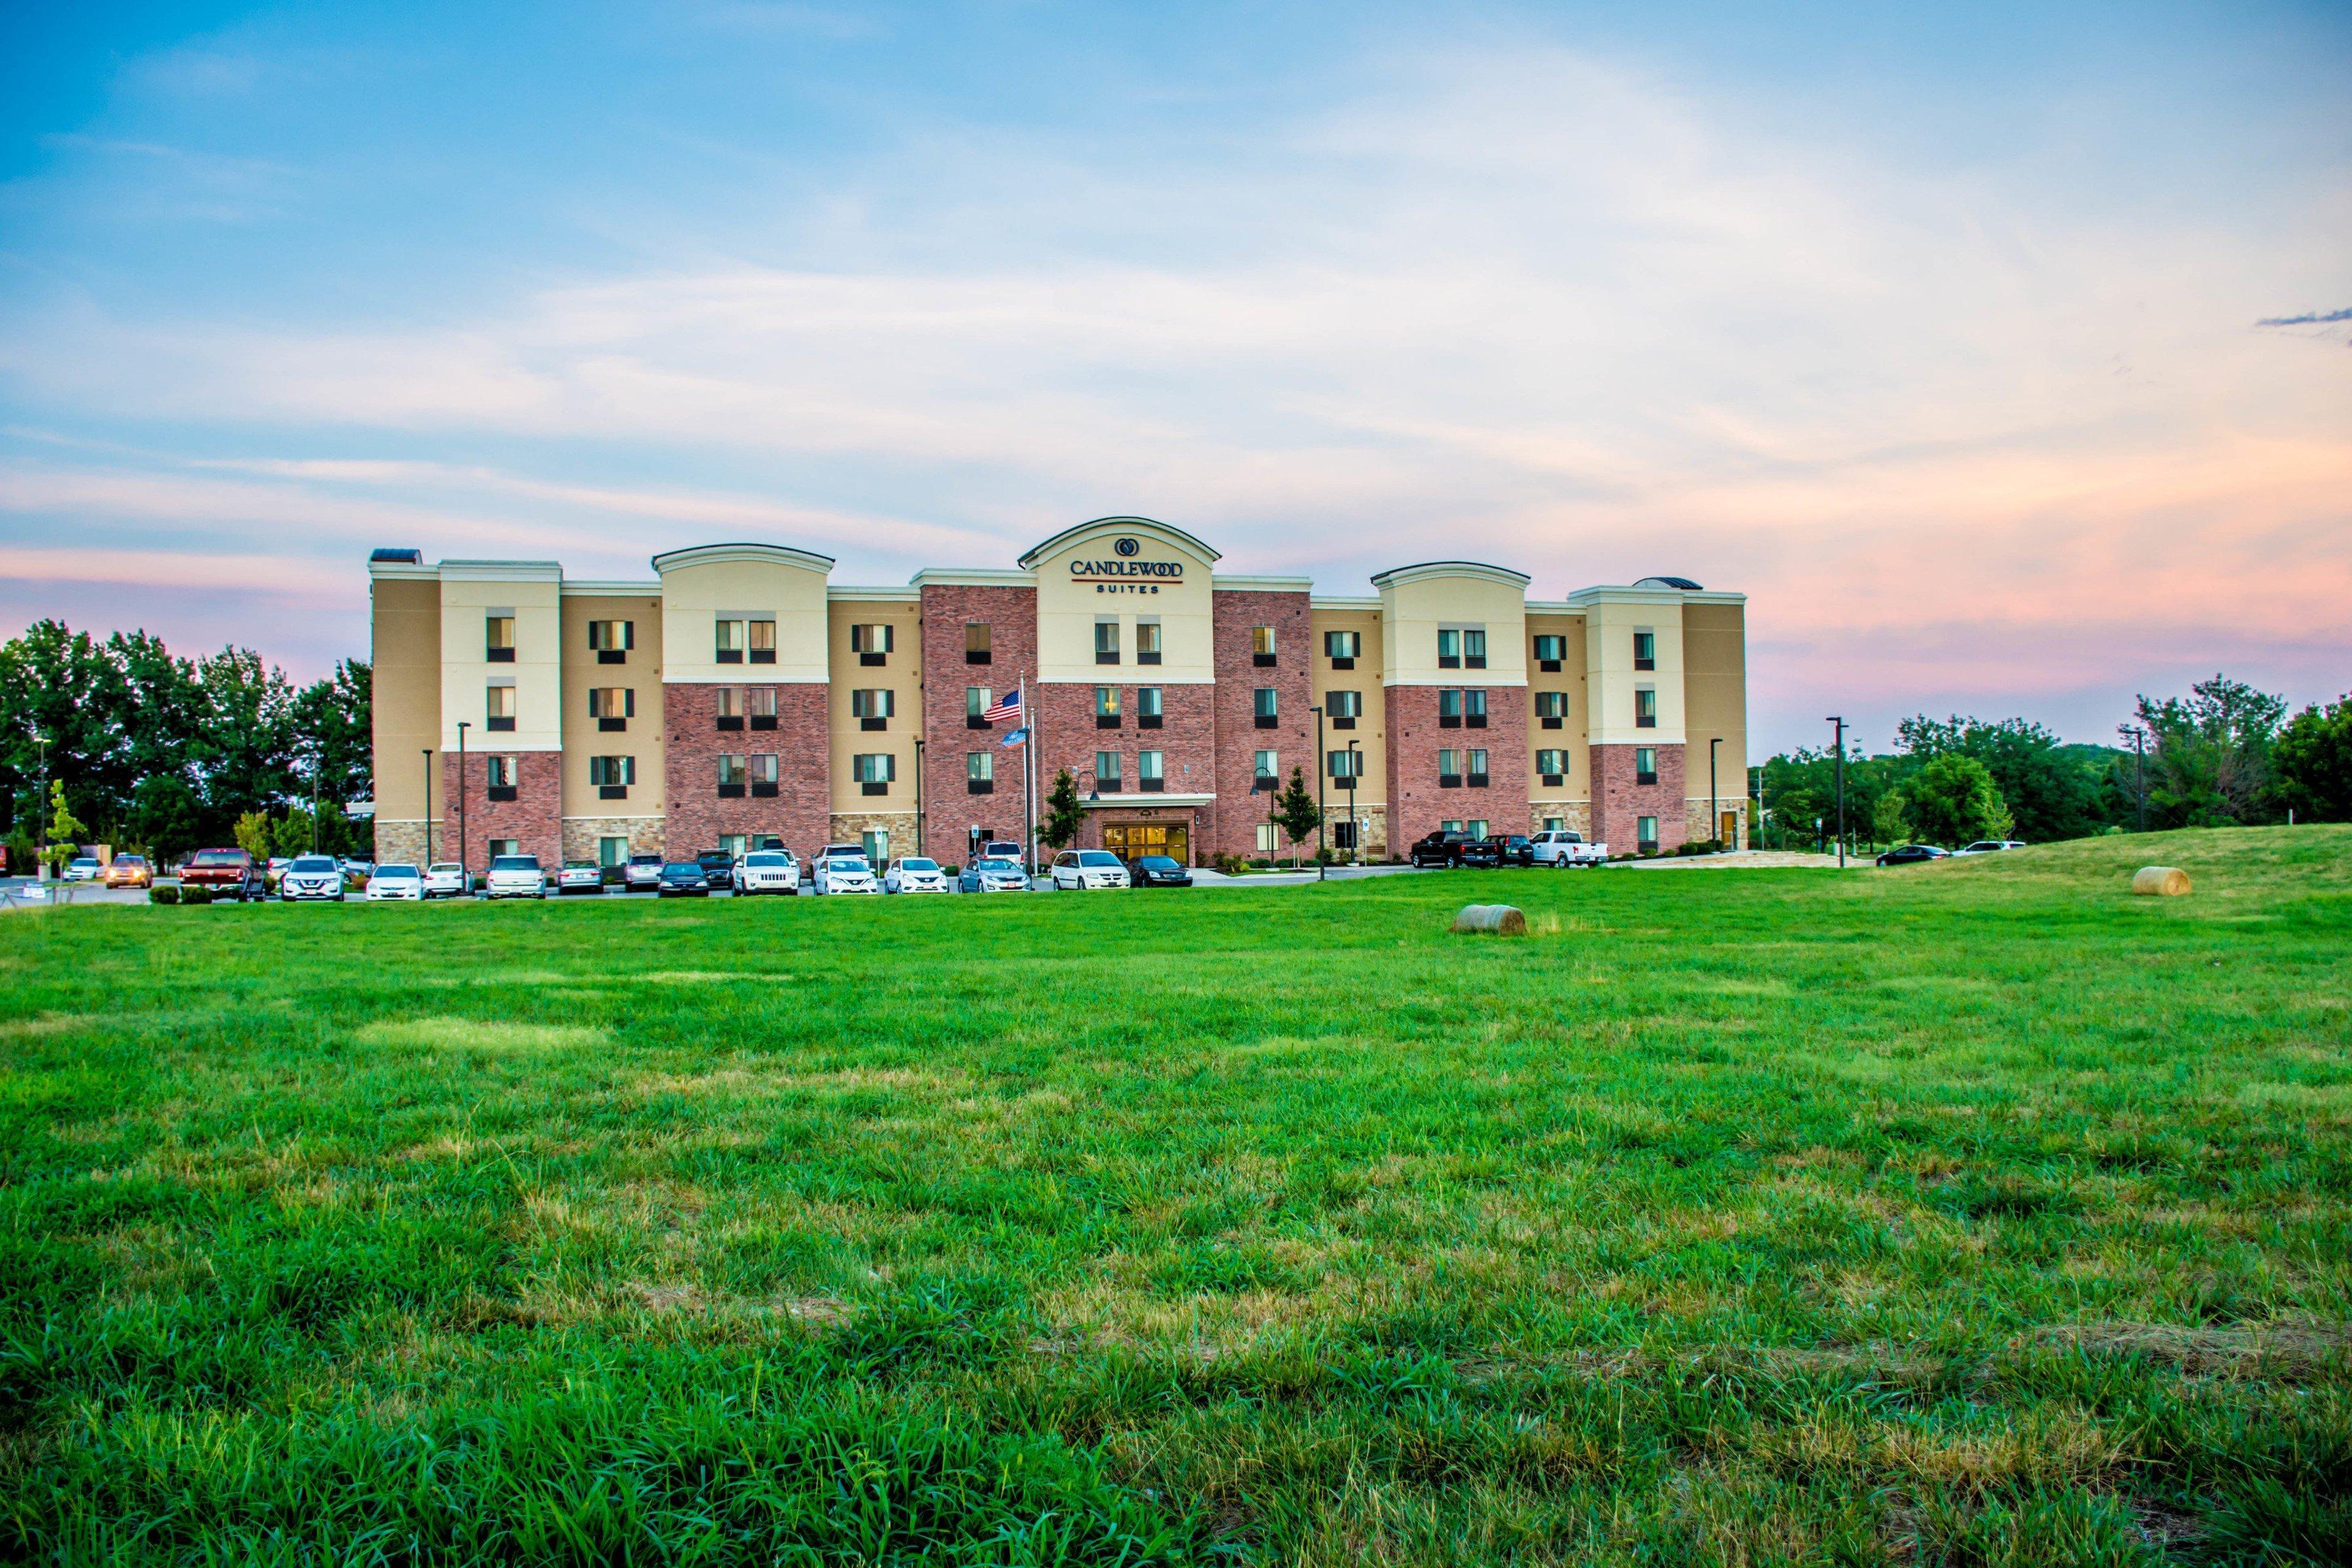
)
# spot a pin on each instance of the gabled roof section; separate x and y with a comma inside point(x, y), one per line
point(721, 554)
point(1164, 533)
point(1427, 569)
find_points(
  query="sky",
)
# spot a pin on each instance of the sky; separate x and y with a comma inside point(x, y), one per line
point(1985, 350)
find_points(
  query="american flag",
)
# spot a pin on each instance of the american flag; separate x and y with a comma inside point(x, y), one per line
point(1007, 707)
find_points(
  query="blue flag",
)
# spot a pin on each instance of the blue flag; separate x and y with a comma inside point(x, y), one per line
point(1015, 737)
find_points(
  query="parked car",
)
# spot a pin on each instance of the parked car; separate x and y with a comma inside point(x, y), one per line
point(642, 874)
point(1562, 848)
point(1002, 849)
point(356, 869)
point(311, 877)
point(1987, 847)
point(224, 873)
point(768, 872)
point(1450, 847)
point(276, 868)
point(683, 880)
point(1159, 871)
point(580, 876)
point(994, 875)
point(83, 868)
point(130, 871)
point(1512, 850)
point(718, 867)
point(915, 874)
point(839, 873)
point(515, 877)
point(1083, 870)
point(395, 881)
point(445, 880)
point(1911, 854)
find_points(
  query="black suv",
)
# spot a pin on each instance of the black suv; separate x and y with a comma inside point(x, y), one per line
point(1513, 849)
point(717, 867)
point(1450, 846)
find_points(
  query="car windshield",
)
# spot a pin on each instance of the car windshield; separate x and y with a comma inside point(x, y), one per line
point(766, 861)
point(846, 863)
point(996, 865)
point(1097, 857)
point(682, 869)
point(311, 865)
point(1158, 863)
point(395, 873)
point(515, 863)
point(83, 861)
point(913, 865)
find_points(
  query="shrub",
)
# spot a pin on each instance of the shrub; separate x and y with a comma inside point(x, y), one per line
point(1262, 863)
point(1228, 862)
point(163, 893)
point(196, 895)
point(1699, 847)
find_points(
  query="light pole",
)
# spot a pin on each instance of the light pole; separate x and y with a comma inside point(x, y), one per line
point(1840, 723)
point(918, 794)
point(1355, 823)
point(429, 804)
point(1714, 809)
point(1321, 852)
point(465, 864)
point(2139, 768)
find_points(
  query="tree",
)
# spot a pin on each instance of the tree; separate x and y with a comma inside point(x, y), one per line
point(335, 735)
point(1296, 813)
point(2208, 756)
point(65, 829)
point(1887, 821)
point(1952, 799)
point(166, 816)
point(2311, 762)
point(296, 833)
point(253, 835)
point(2052, 789)
point(1065, 812)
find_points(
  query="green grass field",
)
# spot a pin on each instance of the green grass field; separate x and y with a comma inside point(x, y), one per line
point(1971, 1214)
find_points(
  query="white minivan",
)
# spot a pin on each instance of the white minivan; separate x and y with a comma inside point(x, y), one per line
point(1082, 869)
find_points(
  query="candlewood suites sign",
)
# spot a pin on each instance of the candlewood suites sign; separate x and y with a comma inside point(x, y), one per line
point(1118, 575)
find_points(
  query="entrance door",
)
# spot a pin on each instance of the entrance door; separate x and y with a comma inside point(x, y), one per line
point(1727, 830)
point(1130, 841)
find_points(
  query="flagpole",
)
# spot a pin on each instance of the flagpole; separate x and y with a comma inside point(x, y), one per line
point(1028, 785)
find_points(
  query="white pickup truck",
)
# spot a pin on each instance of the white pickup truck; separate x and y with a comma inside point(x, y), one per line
point(1562, 848)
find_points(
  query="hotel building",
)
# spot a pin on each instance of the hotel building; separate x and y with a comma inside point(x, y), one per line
point(739, 693)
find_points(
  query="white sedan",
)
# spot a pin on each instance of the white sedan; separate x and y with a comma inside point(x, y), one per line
point(1988, 847)
point(766, 871)
point(1082, 869)
point(515, 877)
point(82, 868)
point(395, 881)
point(915, 874)
point(580, 876)
point(845, 874)
point(445, 880)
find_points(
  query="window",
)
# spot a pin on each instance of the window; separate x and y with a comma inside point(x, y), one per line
point(874, 771)
point(1478, 769)
point(612, 851)
point(979, 773)
point(1148, 712)
point(1645, 829)
point(763, 639)
point(872, 644)
point(1645, 764)
point(612, 640)
point(1147, 639)
point(1268, 766)
point(1150, 772)
point(1343, 709)
point(1475, 827)
point(872, 707)
point(1646, 708)
point(499, 706)
point(1549, 650)
point(1342, 765)
point(1266, 845)
point(1262, 646)
point(1552, 765)
point(612, 706)
point(1263, 704)
point(498, 775)
point(977, 643)
point(1106, 707)
point(1645, 650)
point(1343, 648)
point(765, 771)
point(732, 776)
point(611, 776)
point(1555, 824)
point(877, 841)
point(1473, 708)
point(1107, 639)
point(728, 640)
point(1473, 648)
point(1450, 826)
point(759, 702)
point(1449, 709)
point(727, 707)
point(977, 702)
point(1551, 709)
point(734, 843)
point(1449, 647)
point(1449, 769)
point(497, 636)
point(1106, 770)
point(505, 847)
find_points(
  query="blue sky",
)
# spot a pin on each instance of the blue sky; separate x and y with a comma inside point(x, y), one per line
point(1936, 332)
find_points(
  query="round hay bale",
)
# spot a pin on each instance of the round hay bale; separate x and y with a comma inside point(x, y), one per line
point(1496, 920)
point(2160, 882)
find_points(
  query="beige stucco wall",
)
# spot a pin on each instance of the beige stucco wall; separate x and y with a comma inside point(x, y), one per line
point(468, 592)
point(1714, 676)
point(1612, 617)
point(1412, 611)
point(901, 674)
point(1371, 732)
point(1576, 783)
point(404, 638)
point(694, 593)
point(1069, 601)
point(640, 673)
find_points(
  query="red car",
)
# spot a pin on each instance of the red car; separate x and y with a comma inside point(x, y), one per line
point(226, 873)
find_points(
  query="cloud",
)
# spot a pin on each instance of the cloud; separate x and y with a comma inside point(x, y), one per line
point(2310, 319)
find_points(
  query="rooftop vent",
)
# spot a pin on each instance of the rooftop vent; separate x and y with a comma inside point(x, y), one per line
point(406, 557)
point(1683, 584)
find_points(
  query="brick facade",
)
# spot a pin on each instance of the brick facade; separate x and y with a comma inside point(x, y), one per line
point(1619, 803)
point(1418, 803)
point(1233, 824)
point(534, 817)
point(801, 812)
point(1068, 737)
point(1011, 615)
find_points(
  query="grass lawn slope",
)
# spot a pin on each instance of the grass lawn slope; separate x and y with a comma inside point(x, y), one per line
point(1973, 1213)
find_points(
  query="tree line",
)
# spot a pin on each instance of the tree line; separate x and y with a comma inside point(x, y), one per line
point(163, 753)
point(2225, 754)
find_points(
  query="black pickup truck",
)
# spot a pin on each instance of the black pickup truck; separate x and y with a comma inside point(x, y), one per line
point(1450, 847)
